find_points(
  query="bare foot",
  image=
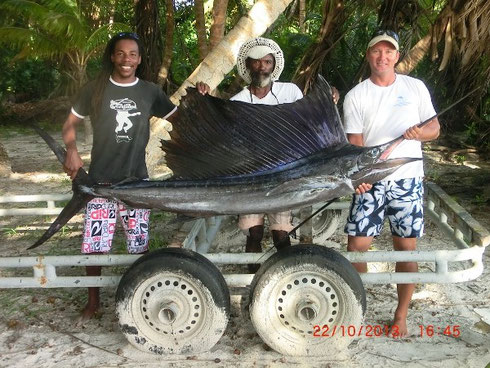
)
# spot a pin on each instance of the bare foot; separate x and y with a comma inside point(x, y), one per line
point(89, 312)
point(91, 308)
point(399, 328)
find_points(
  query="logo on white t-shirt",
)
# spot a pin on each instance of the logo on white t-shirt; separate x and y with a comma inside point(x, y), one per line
point(401, 101)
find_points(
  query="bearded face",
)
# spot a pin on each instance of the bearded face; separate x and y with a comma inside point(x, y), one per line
point(260, 70)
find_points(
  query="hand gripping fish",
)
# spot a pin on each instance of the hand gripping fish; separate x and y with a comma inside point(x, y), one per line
point(231, 157)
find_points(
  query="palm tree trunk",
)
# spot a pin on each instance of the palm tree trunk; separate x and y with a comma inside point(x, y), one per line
point(169, 43)
point(217, 30)
point(148, 28)
point(201, 29)
point(302, 15)
point(422, 47)
point(333, 17)
point(223, 57)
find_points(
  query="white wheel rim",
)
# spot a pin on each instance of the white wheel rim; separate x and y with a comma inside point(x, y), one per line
point(174, 313)
point(290, 304)
point(326, 223)
point(303, 300)
point(170, 305)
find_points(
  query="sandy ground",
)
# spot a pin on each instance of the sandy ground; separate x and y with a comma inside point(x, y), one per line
point(37, 325)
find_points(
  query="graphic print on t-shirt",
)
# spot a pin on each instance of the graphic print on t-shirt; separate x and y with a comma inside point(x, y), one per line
point(123, 108)
point(401, 101)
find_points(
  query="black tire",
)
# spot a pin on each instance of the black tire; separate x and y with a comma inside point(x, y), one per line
point(173, 301)
point(302, 292)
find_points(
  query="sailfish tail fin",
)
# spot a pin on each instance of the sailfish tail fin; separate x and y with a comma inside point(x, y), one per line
point(77, 202)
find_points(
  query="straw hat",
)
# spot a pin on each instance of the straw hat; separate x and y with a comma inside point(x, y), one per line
point(257, 48)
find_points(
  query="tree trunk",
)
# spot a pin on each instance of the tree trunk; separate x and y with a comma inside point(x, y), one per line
point(422, 47)
point(302, 15)
point(217, 30)
point(311, 64)
point(201, 29)
point(148, 29)
point(169, 44)
point(414, 56)
point(219, 62)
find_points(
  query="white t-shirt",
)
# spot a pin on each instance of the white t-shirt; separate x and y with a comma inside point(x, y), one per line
point(284, 92)
point(381, 114)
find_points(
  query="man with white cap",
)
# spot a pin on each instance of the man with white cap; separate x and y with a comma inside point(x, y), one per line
point(377, 110)
point(260, 62)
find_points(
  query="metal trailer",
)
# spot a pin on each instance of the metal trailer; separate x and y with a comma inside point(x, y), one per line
point(154, 296)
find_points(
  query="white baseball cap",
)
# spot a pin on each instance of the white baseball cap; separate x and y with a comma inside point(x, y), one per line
point(385, 35)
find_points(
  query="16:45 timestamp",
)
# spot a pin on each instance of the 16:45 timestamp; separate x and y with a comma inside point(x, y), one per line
point(431, 330)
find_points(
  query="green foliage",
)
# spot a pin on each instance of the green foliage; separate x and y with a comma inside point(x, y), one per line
point(185, 53)
point(56, 30)
point(26, 80)
point(460, 159)
point(471, 131)
point(480, 200)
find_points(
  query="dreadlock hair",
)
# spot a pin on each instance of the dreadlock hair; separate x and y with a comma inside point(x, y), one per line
point(107, 67)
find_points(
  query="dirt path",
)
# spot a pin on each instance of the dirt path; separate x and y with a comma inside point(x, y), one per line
point(37, 324)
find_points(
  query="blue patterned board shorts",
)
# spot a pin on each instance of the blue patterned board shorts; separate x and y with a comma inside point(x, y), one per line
point(402, 200)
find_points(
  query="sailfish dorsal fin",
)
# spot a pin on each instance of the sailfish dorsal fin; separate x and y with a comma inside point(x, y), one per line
point(212, 137)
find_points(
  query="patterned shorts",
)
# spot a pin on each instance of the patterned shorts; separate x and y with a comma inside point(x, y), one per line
point(400, 200)
point(277, 221)
point(100, 225)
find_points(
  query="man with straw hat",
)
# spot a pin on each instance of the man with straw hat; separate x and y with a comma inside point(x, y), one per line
point(260, 62)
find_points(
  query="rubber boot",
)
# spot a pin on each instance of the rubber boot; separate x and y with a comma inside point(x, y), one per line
point(281, 239)
point(256, 233)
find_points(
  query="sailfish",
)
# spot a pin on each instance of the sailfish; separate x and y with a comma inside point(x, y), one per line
point(231, 157)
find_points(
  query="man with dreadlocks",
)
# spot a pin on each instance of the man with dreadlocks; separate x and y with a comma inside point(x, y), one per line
point(120, 105)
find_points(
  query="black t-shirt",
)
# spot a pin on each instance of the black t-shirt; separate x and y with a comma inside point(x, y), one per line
point(122, 129)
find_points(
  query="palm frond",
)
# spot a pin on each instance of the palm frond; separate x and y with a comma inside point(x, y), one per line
point(31, 43)
point(25, 8)
point(100, 36)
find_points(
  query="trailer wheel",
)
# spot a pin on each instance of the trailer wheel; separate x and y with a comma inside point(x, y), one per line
point(173, 301)
point(301, 295)
point(325, 224)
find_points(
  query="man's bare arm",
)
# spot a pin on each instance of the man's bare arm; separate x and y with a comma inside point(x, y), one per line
point(73, 161)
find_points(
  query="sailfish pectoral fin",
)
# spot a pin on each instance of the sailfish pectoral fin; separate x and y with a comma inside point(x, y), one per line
point(303, 184)
point(378, 171)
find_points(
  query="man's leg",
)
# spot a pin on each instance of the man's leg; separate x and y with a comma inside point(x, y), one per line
point(253, 244)
point(253, 227)
point(406, 216)
point(359, 244)
point(93, 302)
point(136, 225)
point(280, 225)
point(100, 223)
point(281, 239)
point(405, 291)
